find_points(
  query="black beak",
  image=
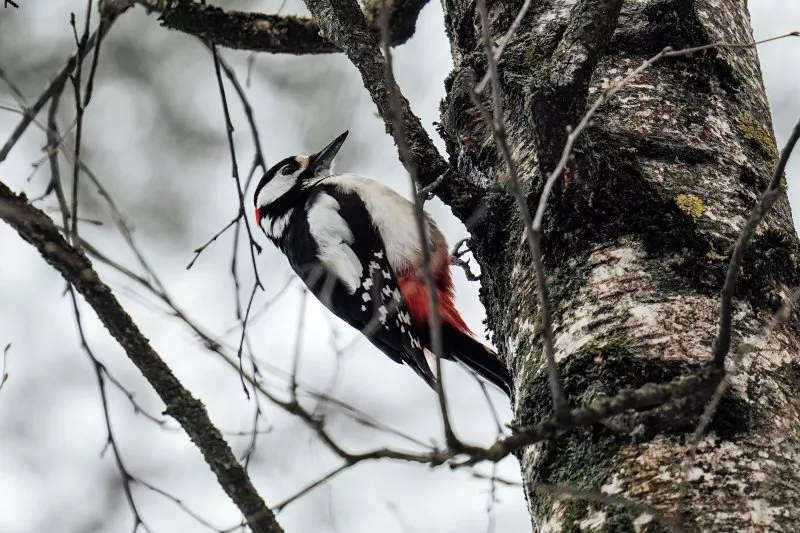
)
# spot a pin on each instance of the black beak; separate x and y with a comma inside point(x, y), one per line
point(323, 159)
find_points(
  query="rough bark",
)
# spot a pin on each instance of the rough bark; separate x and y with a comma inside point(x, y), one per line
point(274, 33)
point(637, 240)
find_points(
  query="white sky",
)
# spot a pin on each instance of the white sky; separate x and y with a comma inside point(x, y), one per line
point(51, 426)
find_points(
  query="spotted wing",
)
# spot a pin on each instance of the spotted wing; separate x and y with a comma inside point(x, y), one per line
point(347, 269)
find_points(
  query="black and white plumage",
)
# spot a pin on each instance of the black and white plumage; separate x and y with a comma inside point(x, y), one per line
point(354, 243)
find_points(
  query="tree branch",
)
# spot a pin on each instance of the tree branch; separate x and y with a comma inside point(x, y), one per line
point(38, 229)
point(277, 34)
point(343, 23)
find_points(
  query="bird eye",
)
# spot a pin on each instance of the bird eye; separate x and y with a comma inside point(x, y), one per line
point(287, 169)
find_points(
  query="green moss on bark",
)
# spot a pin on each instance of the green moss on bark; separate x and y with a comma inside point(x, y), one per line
point(758, 136)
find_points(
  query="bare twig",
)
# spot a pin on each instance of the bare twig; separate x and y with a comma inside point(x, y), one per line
point(79, 111)
point(200, 249)
point(52, 153)
point(259, 160)
point(15, 90)
point(298, 342)
point(497, 123)
point(243, 337)
point(4, 375)
point(56, 82)
point(398, 130)
point(100, 371)
point(311, 486)
point(427, 192)
point(177, 501)
point(254, 246)
point(722, 342)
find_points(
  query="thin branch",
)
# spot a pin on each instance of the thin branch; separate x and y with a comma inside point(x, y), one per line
point(137, 408)
point(259, 160)
point(497, 123)
point(59, 79)
point(411, 165)
point(200, 249)
point(311, 486)
point(53, 140)
point(645, 397)
point(4, 374)
point(774, 189)
point(298, 342)
point(15, 90)
point(177, 501)
point(79, 111)
point(254, 246)
point(99, 371)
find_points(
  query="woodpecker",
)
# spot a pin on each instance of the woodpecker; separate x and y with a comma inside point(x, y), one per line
point(354, 242)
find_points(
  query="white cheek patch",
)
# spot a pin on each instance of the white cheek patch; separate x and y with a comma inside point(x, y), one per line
point(333, 238)
point(275, 188)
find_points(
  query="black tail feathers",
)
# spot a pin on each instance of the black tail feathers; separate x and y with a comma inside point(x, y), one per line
point(479, 358)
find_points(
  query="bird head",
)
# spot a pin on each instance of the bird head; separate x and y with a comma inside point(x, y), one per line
point(294, 173)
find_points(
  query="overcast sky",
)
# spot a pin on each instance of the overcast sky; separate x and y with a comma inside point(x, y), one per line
point(154, 133)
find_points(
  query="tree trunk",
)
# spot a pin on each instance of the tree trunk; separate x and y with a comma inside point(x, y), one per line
point(637, 240)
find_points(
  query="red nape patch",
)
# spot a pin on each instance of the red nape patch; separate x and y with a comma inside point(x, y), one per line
point(415, 294)
point(258, 217)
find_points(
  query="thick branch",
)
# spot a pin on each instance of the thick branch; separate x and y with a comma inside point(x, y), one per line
point(37, 229)
point(281, 34)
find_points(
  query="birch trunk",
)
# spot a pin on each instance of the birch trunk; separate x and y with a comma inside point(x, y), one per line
point(638, 235)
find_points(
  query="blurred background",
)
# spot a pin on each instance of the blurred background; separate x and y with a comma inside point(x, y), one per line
point(154, 134)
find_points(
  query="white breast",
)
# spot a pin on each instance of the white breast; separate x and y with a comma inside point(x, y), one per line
point(333, 237)
point(393, 216)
